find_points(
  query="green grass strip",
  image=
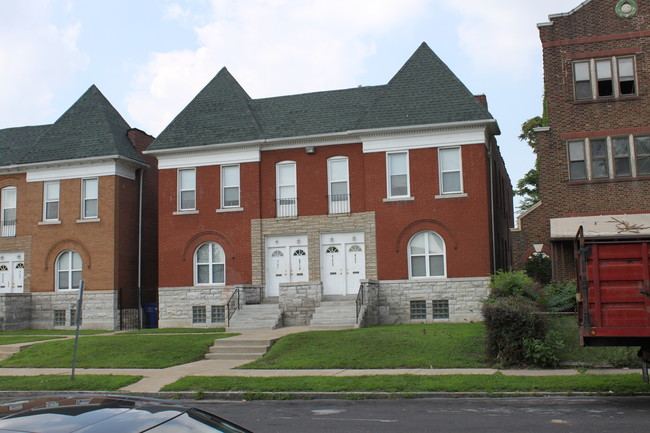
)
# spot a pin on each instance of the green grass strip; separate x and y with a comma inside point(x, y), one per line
point(175, 331)
point(88, 382)
point(119, 351)
point(397, 346)
point(495, 383)
point(15, 340)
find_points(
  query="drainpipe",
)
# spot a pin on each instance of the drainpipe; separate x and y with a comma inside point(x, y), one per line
point(493, 235)
point(140, 250)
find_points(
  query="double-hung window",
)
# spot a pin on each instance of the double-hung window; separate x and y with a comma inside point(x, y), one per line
point(426, 255)
point(339, 192)
point(577, 160)
point(68, 270)
point(599, 160)
point(397, 166)
point(609, 157)
point(642, 148)
point(621, 154)
point(90, 196)
point(186, 189)
point(610, 77)
point(286, 189)
point(51, 201)
point(8, 216)
point(209, 264)
point(451, 178)
point(229, 186)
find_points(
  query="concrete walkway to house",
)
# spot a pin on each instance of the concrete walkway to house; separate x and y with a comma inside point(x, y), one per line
point(154, 379)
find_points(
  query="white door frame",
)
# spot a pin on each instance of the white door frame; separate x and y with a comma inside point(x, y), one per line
point(14, 275)
point(295, 268)
point(337, 281)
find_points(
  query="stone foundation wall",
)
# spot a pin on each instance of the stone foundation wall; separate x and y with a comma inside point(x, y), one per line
point(464, 295)
point(370, 309)
point(15, 311)
point(175, 304)
point(99, 310)
point(298, 301)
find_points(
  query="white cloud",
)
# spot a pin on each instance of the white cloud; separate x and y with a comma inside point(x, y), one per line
point(500, 35)
point(272, 47)
point(36, 56)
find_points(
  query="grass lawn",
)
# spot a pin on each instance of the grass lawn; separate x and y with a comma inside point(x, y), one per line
point(495, 383)
point(119, 351)
point(176, 331)
point(396, 346)
point(83, 382)
point(5, 339)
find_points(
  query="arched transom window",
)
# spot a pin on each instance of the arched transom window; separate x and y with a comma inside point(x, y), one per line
point(426, 255)
point(210, 264)
point(68, 270)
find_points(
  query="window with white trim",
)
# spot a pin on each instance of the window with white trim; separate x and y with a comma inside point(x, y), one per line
point(286, 189)
point(90, 196)
point(51, 201)
point(229, 186)
point(8, 213)
point(209, 264)
point(397, 170)
point(612, 157)
point(426, 252)
point(186, 189)
point(451, 177)
point(610, 77)
point(68, 270)
point(338, 185)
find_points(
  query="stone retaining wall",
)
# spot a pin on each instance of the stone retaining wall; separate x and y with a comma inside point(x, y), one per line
point(99, 309)
point(298, 301)
point(15, 311)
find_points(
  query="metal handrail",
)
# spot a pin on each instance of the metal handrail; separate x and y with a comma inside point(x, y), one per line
point(360, 301)
point(234, 299)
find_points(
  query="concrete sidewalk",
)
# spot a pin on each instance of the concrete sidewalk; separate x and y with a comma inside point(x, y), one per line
point(154, 379)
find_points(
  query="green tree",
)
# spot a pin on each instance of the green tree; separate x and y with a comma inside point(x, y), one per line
point(528, 186)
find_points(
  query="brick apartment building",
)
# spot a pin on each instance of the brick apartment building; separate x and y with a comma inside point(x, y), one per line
point(594, 157)
point(72, 210)
point(398, 190)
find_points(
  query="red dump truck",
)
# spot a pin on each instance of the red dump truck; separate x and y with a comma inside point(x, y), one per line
point(613, 292)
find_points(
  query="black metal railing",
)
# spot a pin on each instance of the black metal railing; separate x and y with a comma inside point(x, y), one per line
point(8, 228)
point(234, 304)
point(360, 301)
point(286, 207)
point(339, 203)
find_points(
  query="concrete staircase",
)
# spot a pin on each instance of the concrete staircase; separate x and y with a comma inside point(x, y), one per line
point(256, 316)
point(7, 351)
point(335, 313)
point(238, 349)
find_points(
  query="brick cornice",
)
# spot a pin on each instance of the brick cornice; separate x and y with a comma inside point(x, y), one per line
point(592, 39)
point(604, 53)
point(605, 132)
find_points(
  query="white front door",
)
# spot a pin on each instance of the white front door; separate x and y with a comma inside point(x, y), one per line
point(343, 262)
point(12, 272)
point(18, 277)
point(286, 262)
point(5, 277)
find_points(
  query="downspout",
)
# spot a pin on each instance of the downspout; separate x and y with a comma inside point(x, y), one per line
point(493, 235)
point(140, 249)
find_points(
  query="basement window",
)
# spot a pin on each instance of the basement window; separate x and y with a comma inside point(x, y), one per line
point(59, 317)
point(218, 313)
point(441, 309)
point(418, 310)
point(199, 314)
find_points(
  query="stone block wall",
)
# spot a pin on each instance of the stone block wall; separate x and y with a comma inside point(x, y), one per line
point(99, 310)
point(15, 311)
point(464, 295)
point(370, 309)
point(175, 305)
point(298, 301)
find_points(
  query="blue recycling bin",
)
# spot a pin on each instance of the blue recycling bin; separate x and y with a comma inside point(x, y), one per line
point(151, 315)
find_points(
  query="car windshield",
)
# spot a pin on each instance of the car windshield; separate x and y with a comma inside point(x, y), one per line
point(197, 421)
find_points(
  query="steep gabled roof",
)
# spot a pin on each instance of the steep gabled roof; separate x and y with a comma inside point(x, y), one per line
point(16, 142)
point(423, 92)
point(91, 127)
point(218, 114)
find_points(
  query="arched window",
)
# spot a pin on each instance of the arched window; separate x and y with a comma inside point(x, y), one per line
point(210, 264)
point(68, 270)
point(426, 255)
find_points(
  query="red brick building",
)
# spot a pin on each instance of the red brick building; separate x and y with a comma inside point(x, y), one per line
point(399, 189)
point(72, 209)
point(594, 157)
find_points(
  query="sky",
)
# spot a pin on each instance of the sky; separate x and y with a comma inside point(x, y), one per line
point(151, 57)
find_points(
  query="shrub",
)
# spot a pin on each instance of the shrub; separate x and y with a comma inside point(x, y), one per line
point(543, 353)
point(538, 267)
point(508, 323)
point(512, 284)
point(560, 296)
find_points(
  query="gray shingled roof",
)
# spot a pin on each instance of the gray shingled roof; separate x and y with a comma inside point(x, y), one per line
point(91, 127)
point(423, 92)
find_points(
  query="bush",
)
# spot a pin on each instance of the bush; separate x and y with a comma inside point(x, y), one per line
point(544, 353)
point(560, 296)
point(512, 284)
point(509, 322)
point(538, 267)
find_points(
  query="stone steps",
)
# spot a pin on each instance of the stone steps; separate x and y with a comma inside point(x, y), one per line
point(257, 316)
point(7, 351)
point(338, 314)
point(234, 349)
